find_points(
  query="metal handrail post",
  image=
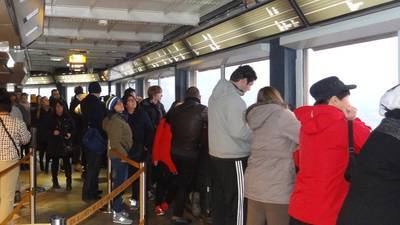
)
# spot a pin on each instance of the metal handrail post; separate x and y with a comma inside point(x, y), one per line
point(109, 180)
point(142, 193)
point(32, 181)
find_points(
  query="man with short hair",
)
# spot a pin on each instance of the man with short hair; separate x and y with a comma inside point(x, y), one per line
point(229, 146)
point(93, 113)
point(187, 122)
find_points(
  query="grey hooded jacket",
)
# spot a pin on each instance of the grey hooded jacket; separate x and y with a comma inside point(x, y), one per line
point(229, 135)
point(270, 172)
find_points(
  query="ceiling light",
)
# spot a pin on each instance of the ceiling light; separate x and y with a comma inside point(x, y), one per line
point(103, 23)
point(77, 58)
point(56, 59)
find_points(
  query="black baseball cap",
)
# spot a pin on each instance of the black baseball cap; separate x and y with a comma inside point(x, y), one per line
point(328, 87)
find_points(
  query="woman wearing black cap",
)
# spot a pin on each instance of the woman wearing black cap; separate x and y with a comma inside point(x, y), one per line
point(374, 195)
point(13, 134)
point(320, 186)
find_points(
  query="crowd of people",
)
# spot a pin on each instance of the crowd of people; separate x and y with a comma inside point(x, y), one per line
point(263, 164)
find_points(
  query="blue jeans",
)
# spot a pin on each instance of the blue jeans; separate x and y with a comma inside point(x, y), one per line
point(120, 174)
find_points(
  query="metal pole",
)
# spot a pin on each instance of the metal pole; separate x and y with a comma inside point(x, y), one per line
point(142, 193)
point(109, 180)
point(32, 181)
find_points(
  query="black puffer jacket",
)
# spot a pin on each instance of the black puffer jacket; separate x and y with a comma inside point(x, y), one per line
point(374, 195)
point(155, 111)
point(93, 113)
point(57, 143)
point(187, 125)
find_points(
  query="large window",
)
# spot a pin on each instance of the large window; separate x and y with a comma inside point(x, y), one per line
point(46, 91)
point(262, 70)
point(168, 86)
point(206, 81)
point(372, 66)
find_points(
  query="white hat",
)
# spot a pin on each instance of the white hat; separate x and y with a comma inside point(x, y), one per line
point(390, 100)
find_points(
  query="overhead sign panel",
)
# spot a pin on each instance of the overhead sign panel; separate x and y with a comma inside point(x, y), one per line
point(157, 59)
point(320, 10)
point(179, 52)
point(138, 66)
point(78, 78)
point(267, 20)
point(39, 80)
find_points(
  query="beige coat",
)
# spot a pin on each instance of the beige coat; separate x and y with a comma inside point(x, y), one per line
point(119, 133)
point(270, 173)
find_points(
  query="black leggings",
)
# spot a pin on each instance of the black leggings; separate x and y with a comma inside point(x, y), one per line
point(294, 221)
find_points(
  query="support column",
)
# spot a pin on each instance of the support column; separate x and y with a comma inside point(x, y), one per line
point(181, 83)
point(139, 87)
point(283, 71)
point(118, 90)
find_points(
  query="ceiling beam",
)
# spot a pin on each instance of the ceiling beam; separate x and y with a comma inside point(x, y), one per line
point(103, 34)
point(130, 15)
point(52, 45)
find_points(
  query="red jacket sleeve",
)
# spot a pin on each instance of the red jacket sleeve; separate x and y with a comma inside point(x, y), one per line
point(361, 133)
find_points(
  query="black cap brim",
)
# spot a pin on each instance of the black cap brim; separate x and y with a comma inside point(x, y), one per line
point(350, 86)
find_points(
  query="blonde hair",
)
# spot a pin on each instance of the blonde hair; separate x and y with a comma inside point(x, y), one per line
point(267, 95)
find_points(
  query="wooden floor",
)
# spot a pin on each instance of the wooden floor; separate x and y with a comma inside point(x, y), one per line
point(66, 204)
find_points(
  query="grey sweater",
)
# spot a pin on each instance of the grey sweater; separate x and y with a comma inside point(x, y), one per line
point(229, 135)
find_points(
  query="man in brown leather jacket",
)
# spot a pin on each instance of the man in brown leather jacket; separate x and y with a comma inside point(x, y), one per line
point(188, 121)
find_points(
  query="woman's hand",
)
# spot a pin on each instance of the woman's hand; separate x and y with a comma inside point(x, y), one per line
point(350, 112)
point(56, 132)
point(67, 136)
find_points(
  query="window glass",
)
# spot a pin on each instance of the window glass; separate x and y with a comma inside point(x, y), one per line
point(113, 89)
point(206, 81)
point(104, 89)
point(46, 91)
point(262, 70)
point(168, 86)
point(372, 66)
point(30, 91)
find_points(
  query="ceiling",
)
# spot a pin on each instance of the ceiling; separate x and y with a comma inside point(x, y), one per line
point(109, 31)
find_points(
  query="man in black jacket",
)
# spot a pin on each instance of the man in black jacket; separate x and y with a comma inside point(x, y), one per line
point(93, 113)
point(187, 121)
point(76, 100)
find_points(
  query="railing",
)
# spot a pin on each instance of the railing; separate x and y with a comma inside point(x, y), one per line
point(106, 200)
point(29, 196)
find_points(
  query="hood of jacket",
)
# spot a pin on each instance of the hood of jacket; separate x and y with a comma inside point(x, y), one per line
point(260, 113)
point(315, 119)
point(225, 88)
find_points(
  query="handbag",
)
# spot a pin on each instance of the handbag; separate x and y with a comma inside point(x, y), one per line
point(352, 154)
point(9, 135)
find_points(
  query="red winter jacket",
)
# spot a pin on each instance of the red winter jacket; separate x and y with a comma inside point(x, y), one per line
point(320, 187)
point(162, 145)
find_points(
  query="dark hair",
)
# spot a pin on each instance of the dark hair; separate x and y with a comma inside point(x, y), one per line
point(192, 92)
point(153, 90)
point(78, 90)
point(5, 102)
point(244, 72)
point(24, 94)
point(128, 91)
point(53, 90)
point(65, 111)
point(125, 99)
point(340, 96)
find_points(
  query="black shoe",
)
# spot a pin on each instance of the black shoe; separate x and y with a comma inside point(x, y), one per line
point(69, 187)
point(56, 186)
point(180, 221)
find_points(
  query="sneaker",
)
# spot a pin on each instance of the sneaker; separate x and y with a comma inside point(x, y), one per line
point(133, 204)
point(159, 211)
point(164, 206)
point(125, 214)
point(121, 219)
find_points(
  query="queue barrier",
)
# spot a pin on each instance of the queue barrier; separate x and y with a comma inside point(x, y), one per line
point(29, 196)
point(140, 174)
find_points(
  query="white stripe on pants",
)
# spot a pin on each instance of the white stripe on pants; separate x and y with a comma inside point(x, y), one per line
point(240, 185)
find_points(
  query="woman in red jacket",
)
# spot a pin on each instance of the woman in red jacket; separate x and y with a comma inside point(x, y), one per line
point(320, 187)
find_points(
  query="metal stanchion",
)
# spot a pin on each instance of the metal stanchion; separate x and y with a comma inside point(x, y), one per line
point(142, 194)
point(32, 171)
point(109, 180)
